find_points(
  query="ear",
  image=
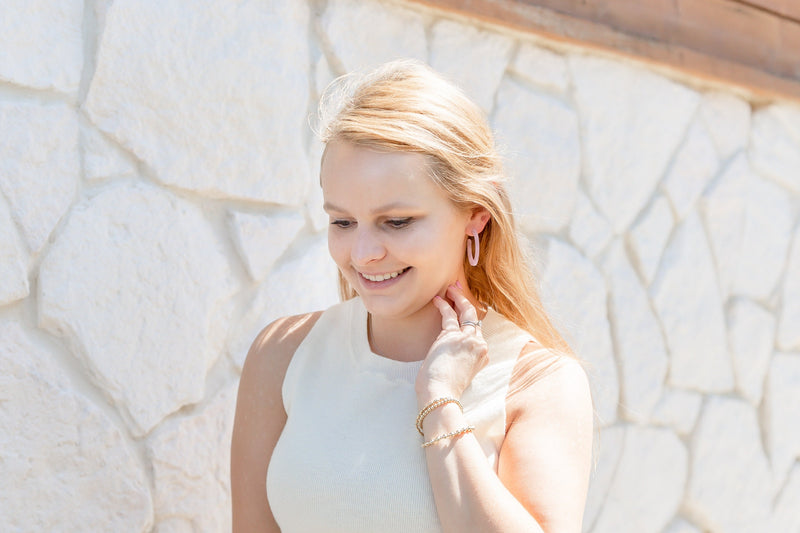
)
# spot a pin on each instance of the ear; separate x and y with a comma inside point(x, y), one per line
point(480, 217)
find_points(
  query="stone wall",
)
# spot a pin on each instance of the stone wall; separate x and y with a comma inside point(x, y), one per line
point(159, 205)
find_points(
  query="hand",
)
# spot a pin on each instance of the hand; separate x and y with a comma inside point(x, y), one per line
point(457, 354)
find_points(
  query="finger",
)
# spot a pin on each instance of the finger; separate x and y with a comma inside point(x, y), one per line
point(466, 311)
point(470, 324)
point(449, 316)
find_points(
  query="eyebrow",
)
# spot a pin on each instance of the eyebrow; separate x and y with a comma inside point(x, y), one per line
point(327, 206)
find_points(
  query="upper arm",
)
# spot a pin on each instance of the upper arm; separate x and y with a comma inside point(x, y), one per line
point(545, 458)
point(260, 418)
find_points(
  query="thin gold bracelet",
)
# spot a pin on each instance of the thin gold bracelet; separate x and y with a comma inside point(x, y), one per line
point(467, 429)
point(438, 402)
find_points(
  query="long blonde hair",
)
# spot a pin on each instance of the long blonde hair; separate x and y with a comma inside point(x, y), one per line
point(406, 106)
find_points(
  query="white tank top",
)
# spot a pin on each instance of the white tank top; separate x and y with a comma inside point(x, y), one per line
point(349, 458)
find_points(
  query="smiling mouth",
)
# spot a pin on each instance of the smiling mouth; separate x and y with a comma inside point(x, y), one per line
point(384, 277)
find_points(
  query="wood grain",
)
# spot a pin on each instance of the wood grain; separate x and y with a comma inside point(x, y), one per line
point(752, 44)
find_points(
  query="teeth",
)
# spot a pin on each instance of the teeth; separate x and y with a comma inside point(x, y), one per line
point(382, 277)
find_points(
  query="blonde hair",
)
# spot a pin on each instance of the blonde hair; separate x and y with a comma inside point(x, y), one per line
point(406, 106)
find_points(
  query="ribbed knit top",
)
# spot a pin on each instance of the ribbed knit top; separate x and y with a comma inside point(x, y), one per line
point(349, 458)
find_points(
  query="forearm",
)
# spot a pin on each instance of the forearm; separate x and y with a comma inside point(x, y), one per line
point(468, 494)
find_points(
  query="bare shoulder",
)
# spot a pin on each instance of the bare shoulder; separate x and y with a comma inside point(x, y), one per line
point(548, 383)
point(284, 334)
point(259, 401)
point(274, 346)
point(260, 418)
point(548, 438)
point(259, 406)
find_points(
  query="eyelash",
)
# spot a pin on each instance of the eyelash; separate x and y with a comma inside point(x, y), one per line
point(394, 223)
point(399, 223)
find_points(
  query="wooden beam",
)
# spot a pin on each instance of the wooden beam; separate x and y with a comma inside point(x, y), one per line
point(728, 41)
point(785, 8)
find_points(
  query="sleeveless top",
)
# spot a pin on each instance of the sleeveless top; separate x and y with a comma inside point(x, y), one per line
point(349, 458)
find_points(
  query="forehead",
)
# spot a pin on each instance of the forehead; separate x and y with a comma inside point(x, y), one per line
point(356, 174)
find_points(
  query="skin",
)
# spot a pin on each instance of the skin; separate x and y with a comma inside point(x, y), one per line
point(386, 216)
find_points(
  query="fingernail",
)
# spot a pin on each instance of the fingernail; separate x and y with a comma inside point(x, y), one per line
point(458, 284)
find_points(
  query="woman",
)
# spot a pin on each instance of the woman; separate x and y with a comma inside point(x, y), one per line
point(440, 324)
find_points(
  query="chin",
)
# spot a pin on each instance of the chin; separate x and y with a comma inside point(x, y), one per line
point(385, 307)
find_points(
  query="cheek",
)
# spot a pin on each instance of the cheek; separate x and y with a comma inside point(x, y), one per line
point(443, 249)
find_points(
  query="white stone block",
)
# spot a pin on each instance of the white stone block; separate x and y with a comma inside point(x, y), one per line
point(174, 525)
point(769, 222)
point(589, 230)
point(608, 449)
point(540, 134)
point(730, 487)
point(65, 465)
point(41, 44)
point(680, 525)
point(139, 286)
point(678, 409)
point(782, 408)
point(475, 59)
point(775, 144)
point(366, 33)
point(39, 166)
point(191, 468)
point(649, 236)
point(632, 122)
point(541, 67)
point(789, 114)
point(262, 239)
point(285, 292)
point(750, 224)
point(652, 473)
point(103, 159)
point(694, 166)
point(574, 294)
point(751, 330)
point(785, 516)
point(723, 209)
point(688, 303)
point(789, 321)
point(727, 118)
point(212, 95)
point(323, 75)
point(13, 259)
point(639, 343)
point(100, 12)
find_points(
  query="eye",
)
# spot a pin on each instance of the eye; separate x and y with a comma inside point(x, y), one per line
point(344, 224)
point(398, 223)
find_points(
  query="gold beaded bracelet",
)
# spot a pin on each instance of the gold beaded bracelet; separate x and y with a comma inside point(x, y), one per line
point(438, 402)
point(456, 433)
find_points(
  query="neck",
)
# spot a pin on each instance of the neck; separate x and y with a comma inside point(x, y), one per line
point(408, 338)
point(405, 339)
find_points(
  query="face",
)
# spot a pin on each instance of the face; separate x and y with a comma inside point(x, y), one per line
point(396, 237)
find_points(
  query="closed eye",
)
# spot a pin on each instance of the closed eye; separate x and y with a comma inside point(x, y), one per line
point(344, 224)
point(398, 223)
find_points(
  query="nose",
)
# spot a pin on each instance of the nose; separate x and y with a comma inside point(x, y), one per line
point(367, 247)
